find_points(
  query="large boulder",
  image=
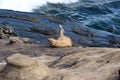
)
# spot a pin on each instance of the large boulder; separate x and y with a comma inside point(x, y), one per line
point(21, 67)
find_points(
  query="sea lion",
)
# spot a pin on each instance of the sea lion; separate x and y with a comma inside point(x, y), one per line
point(62, 41)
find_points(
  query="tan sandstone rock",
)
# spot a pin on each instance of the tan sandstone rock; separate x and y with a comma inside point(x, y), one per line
point(21, 67)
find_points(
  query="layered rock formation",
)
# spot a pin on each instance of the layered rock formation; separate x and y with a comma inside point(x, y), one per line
point(41, 27)
point(20, 67)
point(75, 63)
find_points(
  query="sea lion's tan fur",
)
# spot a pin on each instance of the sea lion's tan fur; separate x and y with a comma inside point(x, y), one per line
point(62, 41)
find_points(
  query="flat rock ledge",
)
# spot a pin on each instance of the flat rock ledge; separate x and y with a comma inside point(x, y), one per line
point(21, 67)
point(76, 63)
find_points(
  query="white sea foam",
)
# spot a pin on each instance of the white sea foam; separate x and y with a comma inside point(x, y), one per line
point(28, 5)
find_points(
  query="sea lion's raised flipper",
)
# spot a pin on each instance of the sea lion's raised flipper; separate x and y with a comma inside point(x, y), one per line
point(61, 30)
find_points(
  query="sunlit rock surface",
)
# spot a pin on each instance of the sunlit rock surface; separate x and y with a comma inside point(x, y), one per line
point(76, 63)
point(20, 67)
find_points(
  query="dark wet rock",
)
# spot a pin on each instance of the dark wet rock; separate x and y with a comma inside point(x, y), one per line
point(114, 39)
point(84, 32)
point(5, 23)
point(95, 38)
point(58, 19)
point(21, 67)
point(81, 35)
point(20, 17)
point(6, 32)
point(45, 31)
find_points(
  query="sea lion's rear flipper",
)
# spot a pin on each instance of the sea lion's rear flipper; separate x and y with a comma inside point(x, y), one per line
point(61, 30)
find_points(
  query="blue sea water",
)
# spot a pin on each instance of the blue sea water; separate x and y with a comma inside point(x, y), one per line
point(99, 14)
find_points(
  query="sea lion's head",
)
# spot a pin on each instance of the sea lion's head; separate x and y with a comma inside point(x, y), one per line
point(52, 41)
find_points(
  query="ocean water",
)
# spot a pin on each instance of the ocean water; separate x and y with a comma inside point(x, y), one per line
point(98, 14)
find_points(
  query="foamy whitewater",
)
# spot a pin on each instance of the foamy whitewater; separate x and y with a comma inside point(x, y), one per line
point(28, 5)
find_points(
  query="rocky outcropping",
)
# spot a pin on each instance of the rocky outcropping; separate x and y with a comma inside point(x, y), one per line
point(20, 67)
point(6, 32)
point(46, 31)
point(41, 27)
point(74, 63)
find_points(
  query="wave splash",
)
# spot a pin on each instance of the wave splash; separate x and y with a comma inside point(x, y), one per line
point(101, 15)
point(28, 5)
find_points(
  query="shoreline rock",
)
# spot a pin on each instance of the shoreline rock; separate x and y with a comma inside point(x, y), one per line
point(21, 67)
point(90, 63)
point(6, 32)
